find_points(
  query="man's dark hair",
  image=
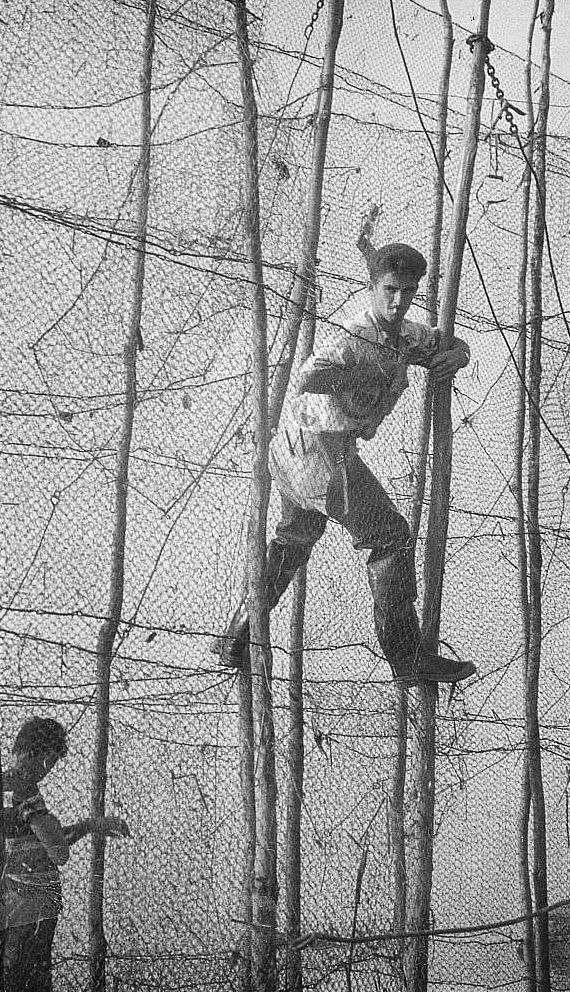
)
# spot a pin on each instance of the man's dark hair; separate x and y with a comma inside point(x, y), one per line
point(401, 259)
point(40, 734)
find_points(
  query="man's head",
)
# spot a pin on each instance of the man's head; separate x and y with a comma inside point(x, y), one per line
point(395, 272)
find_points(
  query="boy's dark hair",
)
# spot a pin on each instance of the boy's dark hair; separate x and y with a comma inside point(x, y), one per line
point(401, 259)
point(40, 734)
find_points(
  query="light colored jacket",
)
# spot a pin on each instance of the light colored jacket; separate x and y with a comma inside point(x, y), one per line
point(317, 437)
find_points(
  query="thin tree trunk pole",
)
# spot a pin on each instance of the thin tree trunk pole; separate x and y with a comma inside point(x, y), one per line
point(417, 961)
point(434, 259)
point(296, 753)
point(441, 480)
point(529, 955)
point(399, 769)
point(305, 274)
point(264, 970)
point(303, 282)
point(108, 629)
point(247, 784)
point(295, 761)
point(2, 867)
point(397, 818)
point(540, 882)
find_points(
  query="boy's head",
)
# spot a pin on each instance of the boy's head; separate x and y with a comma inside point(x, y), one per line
point(395, 271)
point(39, 736)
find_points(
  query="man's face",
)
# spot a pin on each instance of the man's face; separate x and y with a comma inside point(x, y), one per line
point(392, 296)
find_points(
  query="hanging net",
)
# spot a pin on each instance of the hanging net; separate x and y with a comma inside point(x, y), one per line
point(70, 134)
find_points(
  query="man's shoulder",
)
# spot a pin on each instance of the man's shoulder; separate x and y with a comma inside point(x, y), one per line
point(361, 325)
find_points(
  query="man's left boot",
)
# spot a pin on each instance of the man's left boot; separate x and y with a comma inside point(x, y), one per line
point(411, 663)
point(231, 646)
point(393, 585)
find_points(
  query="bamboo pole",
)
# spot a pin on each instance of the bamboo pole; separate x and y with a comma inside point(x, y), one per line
point(399, 771)
point(529, 955)
point(264, 892)
point(532, 724)
point(305, 273)
point(109, 627)
point(417, 957)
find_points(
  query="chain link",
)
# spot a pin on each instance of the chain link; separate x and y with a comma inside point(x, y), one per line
point(506, 107)
point(314, 19)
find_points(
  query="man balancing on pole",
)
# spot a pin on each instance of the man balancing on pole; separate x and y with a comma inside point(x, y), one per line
point(345, 390)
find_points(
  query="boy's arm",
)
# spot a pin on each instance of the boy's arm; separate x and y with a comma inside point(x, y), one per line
point(51, 836)
point(110, 826)
point(32, 811)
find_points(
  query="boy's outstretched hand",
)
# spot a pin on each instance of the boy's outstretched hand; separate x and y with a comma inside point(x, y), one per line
point(111, 826)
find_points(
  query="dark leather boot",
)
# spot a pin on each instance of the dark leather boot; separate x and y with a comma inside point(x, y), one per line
point(393, 585)
point(232, 645)
point(411, 663)
point(283, 560)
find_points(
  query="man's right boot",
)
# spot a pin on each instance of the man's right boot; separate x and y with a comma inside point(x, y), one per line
point(283, 560)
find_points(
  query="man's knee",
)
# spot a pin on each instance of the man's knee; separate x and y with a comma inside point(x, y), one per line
point(392, 537)
point(299, 527)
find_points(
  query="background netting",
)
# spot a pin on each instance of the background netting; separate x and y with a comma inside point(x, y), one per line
point(69, 133)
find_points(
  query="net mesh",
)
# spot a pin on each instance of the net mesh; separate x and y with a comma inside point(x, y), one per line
point(70, 133)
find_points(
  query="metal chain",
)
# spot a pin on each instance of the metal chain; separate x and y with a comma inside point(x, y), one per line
point(506, 107)
point(314, 19)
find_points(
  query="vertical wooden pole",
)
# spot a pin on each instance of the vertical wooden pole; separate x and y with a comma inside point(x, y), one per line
point(305, 273)
point(264, 893)
point(442, 457)
point(2, 867)
point(108, 629)
point(419, 903)
point(295, 763)
point(295, 748)
point(519, 448)
point(532, 724)
point(247, 785)
point(433, 276)
point(302, 286)
point(398, 779)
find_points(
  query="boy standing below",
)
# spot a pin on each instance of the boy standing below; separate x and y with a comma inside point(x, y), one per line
point(346, 388)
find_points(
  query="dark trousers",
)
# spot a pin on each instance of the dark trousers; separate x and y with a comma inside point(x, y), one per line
point(26, 957)
point(358, 502)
